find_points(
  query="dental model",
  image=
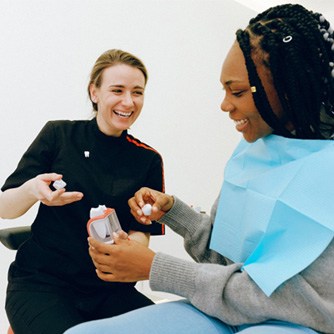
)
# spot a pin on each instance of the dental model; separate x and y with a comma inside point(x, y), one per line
point(147, 209)
point(59, 184)
point(103, 223)
point(100, 227)
point(99, 211)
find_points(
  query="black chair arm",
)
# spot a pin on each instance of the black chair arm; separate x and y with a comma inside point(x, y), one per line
point(13, 237)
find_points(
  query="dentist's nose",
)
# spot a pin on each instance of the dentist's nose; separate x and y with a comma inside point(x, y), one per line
point(127, 100)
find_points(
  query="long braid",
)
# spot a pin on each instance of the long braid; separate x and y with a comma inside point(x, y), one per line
point(260, 98)
point(297, 46)
point(294, 82)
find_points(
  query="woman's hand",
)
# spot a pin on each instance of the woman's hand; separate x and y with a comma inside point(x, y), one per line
point(161, 203)
point(15, 202)
point(40, 188)
point(124, 261)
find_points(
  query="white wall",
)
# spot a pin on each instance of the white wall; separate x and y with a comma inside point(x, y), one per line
point(325, 7)
point(48, 48)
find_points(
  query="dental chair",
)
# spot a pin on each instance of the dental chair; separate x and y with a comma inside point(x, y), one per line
point(12, 238)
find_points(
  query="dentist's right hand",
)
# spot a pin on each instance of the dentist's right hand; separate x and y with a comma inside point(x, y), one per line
point(161, 203)
point(14, 202)
point(40, 187)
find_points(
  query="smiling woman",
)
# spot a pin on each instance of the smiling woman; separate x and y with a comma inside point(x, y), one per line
point(238, 101)
point(119, 98)
point(255, 269)
point(116, 89)
point(102, 165)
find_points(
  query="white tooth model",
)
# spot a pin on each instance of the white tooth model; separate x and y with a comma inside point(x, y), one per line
point(103, 223)
point(59, 184)
point(94, 212)
point(100, 227)
point(147, 209)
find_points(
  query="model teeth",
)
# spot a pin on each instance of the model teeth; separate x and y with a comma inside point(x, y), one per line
point(122, 114)
point(240, 121)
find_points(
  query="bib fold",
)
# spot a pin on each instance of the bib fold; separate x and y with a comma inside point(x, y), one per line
point(275, 212)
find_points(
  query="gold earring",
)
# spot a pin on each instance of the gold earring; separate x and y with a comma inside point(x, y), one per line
point(253, 89)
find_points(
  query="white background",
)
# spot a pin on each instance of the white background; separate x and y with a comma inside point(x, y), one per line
point(47, 51)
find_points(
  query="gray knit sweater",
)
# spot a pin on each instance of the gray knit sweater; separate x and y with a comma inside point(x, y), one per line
point(219, 288)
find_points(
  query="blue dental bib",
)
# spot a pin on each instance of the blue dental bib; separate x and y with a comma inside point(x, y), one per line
point(275, 212)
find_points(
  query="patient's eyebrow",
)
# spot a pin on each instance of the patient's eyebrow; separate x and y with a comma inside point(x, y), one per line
point(229, 82)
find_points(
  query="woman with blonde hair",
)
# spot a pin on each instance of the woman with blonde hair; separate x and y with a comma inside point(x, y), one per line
point(52, 282)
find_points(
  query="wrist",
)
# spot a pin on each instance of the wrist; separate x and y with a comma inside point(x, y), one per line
point(169, 204)
point(29, 190)
point(149, 263)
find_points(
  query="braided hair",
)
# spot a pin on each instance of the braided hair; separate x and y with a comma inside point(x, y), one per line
point(297, 47)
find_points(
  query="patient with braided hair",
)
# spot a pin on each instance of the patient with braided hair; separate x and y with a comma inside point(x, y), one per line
point(264, 257)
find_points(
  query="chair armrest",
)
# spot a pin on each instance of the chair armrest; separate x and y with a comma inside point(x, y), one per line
point(13, 237)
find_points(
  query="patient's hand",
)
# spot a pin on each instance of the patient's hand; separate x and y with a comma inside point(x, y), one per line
point(160, 202)
point(124, 261)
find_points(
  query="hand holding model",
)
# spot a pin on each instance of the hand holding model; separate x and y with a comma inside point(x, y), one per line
point(160, 202)
point(112, 261)
point(125, 261)
point(36, 189)
point(40, 188)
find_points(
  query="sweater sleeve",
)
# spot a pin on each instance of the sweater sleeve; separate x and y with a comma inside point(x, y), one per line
point(219, 288)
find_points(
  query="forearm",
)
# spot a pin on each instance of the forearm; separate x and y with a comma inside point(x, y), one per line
point(16, 201)
point(141, 237)
point(230, 295)
point(219, 288)
point(195, 228)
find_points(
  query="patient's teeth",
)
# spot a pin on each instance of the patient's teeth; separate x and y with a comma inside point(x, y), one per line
point(240, 121)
